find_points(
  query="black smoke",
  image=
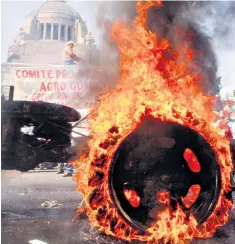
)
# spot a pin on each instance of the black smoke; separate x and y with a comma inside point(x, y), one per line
point(166, 22)
point(191, 17)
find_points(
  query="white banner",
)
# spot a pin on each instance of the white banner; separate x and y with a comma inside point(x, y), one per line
point(66, 85)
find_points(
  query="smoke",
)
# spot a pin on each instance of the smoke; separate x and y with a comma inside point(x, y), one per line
point(202, 23)
point(176, 21)
point(108, 13)
point(222, 18)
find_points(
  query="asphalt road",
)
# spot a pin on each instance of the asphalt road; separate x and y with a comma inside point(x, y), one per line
point(26, 217)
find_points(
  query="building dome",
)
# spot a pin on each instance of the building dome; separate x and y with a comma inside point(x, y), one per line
point(46, 30)
point(56, 20)
point(58, 9)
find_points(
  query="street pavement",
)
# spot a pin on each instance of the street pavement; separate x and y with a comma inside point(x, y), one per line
point(40, 205)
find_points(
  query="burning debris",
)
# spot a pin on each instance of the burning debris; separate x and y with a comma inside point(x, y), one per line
point(154, 143)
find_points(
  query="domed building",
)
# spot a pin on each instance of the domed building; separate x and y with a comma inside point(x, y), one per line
point(35, 68)
point(42, 38)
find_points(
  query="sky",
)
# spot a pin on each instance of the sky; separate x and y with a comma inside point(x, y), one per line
point(13, 14)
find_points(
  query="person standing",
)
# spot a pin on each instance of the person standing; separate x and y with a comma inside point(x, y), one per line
point(69, 56)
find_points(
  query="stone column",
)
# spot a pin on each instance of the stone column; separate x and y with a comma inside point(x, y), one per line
point(66, 33)
point(59, 31)
point(44, 31)
point(52, 30)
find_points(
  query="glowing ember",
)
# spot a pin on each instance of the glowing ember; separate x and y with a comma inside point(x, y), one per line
point(192, 161)
point(191, 196)
point(154, 82)
point(163, 197)
point(132, 198)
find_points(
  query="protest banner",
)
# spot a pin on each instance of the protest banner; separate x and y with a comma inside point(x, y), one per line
point(65, 85)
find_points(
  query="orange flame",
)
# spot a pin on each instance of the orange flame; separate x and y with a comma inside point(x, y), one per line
point(163, 84)
point(132, 197)
point(192, 160)
point(191, 196)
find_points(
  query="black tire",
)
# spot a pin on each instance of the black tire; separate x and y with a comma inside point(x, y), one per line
point(143, 148)
point(15, 153)
point(25, 157)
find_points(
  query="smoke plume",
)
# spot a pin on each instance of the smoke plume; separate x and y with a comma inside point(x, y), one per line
point(191, 18)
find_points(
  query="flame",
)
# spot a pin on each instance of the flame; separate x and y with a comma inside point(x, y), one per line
point(157, 79)
point(192, 160)
point(191, 196)
point(132, 197)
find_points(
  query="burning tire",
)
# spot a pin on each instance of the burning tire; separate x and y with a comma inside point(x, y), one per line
point(162, 175)
point(151, 160)
point(158, 168)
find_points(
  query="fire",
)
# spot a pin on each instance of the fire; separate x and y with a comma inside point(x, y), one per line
point(191, 196)
point(192, 161)
point(132, 197)
point(163, 86)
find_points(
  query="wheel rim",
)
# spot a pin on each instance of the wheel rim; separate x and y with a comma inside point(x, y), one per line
point(155, 150)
